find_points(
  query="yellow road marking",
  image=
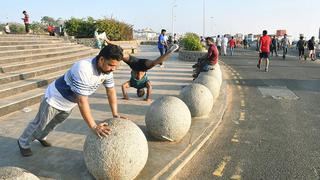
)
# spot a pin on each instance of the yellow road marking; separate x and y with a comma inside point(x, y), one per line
point(243, 104)
point(235, 77)
point(242, 116)
point(237, 174)
point(219, 171)
point(234, 140)
point(240, 77)
point(237, 82)
point(239, 87)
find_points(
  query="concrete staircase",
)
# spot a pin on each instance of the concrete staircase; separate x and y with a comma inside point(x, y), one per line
point(28, 63)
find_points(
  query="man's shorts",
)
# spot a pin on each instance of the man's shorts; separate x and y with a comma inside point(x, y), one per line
point(264, 55)
point(139, 83)
point(137, 64)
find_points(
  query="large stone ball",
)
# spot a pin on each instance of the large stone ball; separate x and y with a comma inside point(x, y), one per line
point(198, 98)
point(168, 118)
point(120, 155)
point(216, 72)
point(15, 173)
point(211, 83)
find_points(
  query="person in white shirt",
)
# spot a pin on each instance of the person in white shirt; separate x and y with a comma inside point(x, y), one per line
point(70, 90)
point(224, 45)
point(7, 29)
point(219, 43)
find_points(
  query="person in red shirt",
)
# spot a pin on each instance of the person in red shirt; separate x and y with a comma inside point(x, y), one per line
point(232, 45)
point(207, 62)
point(26, 21)
point(264, 49)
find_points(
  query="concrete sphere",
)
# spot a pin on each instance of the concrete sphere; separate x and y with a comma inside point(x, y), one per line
point(120, 155)
point(211, 83)
point(15, 173)
point(198, 98)
point(216, 72)
point(168, 118)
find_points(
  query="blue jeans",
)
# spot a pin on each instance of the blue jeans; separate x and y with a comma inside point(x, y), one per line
point(161, 51)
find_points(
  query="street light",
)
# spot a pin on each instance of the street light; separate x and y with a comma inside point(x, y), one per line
point(204, 18)
point(173, 19)
point(212, 25)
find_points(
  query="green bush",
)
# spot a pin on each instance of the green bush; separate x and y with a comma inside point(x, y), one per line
point(84, 28)
point(191, 42)
point(38, 28)
point(17, 28)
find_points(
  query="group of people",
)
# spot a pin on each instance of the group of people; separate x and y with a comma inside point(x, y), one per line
point(25, 19)
point(223, 43)
point(82, 80)
point(310, 44)
point(267, 45)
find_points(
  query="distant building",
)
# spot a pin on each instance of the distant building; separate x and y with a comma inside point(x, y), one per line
point(281, 32)
point(145, 34)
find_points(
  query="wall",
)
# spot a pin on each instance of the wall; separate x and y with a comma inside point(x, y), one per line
point(190, 55)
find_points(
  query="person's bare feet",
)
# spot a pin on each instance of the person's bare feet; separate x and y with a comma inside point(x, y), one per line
point(125, 98)
point(148, 100)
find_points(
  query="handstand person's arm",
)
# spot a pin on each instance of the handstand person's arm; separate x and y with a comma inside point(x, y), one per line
point(124, 90)
point(149, 89)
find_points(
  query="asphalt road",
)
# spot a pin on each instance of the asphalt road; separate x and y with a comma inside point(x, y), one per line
point(271, 129)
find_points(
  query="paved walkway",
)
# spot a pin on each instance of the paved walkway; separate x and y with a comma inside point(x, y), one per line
point(65, 159)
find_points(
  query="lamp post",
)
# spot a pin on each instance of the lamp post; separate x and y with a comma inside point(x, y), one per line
point(204, 18)
point(173, 19)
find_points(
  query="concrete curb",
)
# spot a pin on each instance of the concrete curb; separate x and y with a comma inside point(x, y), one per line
point(174, 167)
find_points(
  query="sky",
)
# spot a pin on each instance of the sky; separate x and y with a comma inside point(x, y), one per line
point(221, 16)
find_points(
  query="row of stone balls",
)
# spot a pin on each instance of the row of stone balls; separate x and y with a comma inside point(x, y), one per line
point(124, 153)
point(169, 118)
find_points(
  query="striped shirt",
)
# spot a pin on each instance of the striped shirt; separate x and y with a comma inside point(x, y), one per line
point(82, 78)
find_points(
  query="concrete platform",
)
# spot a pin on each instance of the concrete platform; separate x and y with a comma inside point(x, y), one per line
point(65, 159)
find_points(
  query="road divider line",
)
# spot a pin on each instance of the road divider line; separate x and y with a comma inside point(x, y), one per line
point(242, 116)
point(237, 174)
point(219, 171)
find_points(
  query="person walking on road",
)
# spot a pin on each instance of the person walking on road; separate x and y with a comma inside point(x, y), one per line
point(245, 43)
point(232, 45)
point(301, 45)
point(264, 50)
point(311, 47)
point(224, 45)
point(7, 29)
point(26, 21)
point(285, 44)
point(274, 44)
point(219, 43)
point(162, 43)
point(70, 90)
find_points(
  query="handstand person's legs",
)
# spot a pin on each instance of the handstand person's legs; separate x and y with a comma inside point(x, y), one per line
point(151, 63)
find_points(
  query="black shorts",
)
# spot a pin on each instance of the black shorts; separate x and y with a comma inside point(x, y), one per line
point(137, 64)
point(264, 55)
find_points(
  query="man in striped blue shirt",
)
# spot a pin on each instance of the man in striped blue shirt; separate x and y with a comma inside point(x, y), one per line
point(70, 90)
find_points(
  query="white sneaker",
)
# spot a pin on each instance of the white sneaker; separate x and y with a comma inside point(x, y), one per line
point(162, 66)
point(173, 48)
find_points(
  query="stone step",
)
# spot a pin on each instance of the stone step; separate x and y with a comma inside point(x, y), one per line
point(6, 43)
point(37, 71)
point(5, 38)
point(9, 67)
point(18, 102)
point(23, 58)
point(38, 50)
point(33, 46)
point(18, 87)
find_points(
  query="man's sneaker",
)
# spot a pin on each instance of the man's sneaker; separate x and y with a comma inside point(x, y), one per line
point(258, 66)
point(24, 151)
point(266, 70)
point(173, 48)
point(44, 143)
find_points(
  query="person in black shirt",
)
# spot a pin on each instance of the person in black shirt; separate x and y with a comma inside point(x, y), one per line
point(311, 47)
point(301, 45)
